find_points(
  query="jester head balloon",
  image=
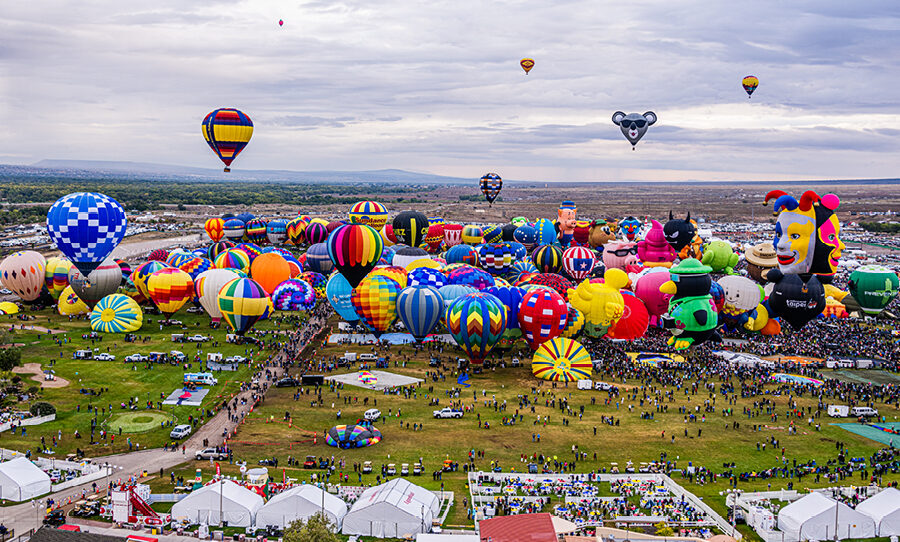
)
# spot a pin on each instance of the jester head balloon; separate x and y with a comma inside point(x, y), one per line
point(630, 227)
point(653, 250)
point(566, 222)
point(807, 233)
point(600, 302)
point(634, 125)
point(679, 231)
point(601, 233)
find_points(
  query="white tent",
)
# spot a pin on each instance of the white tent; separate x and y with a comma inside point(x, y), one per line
point(238, 505)
point(20, 480)
point(301, 502)
point(884, 509)
point(395, 509)
point(813, 518)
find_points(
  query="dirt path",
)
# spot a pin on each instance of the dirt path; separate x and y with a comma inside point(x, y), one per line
point(38, 376)
point(42, 329)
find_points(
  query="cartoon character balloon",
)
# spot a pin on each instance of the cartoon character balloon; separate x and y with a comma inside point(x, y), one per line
point(720, 256)
point(692, 316)
point(86, 227)
point(654, 250)
point(630, 227)
point(600, 302)
point(566, 222)
point(490, 185)
point(634, 125)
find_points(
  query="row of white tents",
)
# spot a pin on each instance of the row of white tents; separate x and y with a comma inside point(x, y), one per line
point(394, 509)
point(815, 517)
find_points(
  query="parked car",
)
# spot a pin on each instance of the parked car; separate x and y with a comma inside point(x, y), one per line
point(55, 518)
point(136, 358)
point(235, 359)
point(367, 467)
point(372, 414)
point(105, 357)
point(178, 356)
point(391, 469)
point(211, 453)
point(195, 310)
point(417, 469)
point(180, 431)
point(287, 382)
point(404, 469)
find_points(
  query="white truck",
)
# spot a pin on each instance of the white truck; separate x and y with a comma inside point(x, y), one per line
point(448, 412)
point(838, 411)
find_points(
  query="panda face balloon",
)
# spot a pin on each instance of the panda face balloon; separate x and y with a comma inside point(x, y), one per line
point(634, 125)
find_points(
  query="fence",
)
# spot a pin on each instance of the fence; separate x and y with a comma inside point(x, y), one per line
point(35, 420)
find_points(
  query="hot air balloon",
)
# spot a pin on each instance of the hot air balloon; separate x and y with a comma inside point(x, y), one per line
point(646, 287)
point(393, 272)
point(563, 360)
point(467, 275)
point(634, 125)
point(476, 322)
point(269, 270)
point(70, 305)
point(873, 287)
point(404, 256)
point(215, 229)
point(227, 132)
point(242, 302)
point(316, 280)
point(56, 275)
point(233, 258)
point(490, 185)
point(435, 237)
point(601, 303)
point(634, 321)
point(86, 227)
point(495, 258)
point(206, 289)
point(472, 234)
point(23, 273)
point(280, 22)
point(527, 64)
point(420, 308)
point(750, 83)
point(353, 436)
point(318, 260)
point(452, 234)
point(294, 295)
point(454, 291)
point(574, 323)
point(339, 293)
point(102, 281)
point(316, 232)
point(411, 228)
point(170, 289)
point(234, 229)
point(511, 297)
point(276, 231)
point(355, 250)
point(256, 230)
point(296, 230)
point(796, 299)
point(158, 255)
point(462, 254)
point(8, 308)
point(548, 258)
point(425, 276)
point(375, 301)
point(692, 316)
point(370, 213)
point(116, 313)
point(579, 262)
point(542, 316)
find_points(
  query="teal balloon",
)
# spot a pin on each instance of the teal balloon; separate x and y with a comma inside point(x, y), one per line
point(338, 291)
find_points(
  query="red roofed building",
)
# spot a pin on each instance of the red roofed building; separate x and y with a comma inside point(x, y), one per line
point(520, 528)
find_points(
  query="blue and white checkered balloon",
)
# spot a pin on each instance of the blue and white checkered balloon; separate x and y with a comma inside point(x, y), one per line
point(86, 227)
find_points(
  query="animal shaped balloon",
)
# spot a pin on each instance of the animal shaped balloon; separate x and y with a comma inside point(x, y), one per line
point(601, 233)
point(634, 125)
point(679, 231)
point(566, 222)
point(807, 233)
point(654, 250)
point(692, 316)
point(620, 255)
point(720, 256)
point(600, 302)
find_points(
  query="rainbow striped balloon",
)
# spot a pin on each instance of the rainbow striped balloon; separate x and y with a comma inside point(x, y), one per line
point(375, 301)
point(476, 322)
point(562, 359)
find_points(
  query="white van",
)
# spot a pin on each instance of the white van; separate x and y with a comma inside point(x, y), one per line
point(585, 384)
point(372, 414)
point(200, 378)
point(863, 412)
point(367, 357)
point(838, 411)
point(180, 431)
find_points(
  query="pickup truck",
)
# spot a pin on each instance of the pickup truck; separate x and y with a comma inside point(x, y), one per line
point(235, 359)
point(448, 412)
point(198, 338)
point(105, 357)
point(211, 453)
point(136, 358)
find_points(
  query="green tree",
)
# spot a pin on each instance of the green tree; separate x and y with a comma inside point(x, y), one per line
point(42, 408)
point(663, 529)
point(9, 358)
point(317, 528)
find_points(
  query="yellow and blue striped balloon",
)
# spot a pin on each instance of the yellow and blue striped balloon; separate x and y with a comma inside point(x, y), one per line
point(562, 359)
point(116, 313)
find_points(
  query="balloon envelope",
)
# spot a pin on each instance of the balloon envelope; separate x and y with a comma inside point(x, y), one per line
point(562, 359)
point(420, 308)
point(227, 131)
point(206, 289)
point(242, 302)
point(116, 313)
point(355, 250)
point(339, 293)
point(23, 273)
point(375, 301)
point(101, 282)
point(269, 270)
point(170, 289)
point(86, 227)
point(476, 322)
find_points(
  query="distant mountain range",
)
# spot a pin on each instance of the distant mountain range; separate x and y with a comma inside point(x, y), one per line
point(142, 170)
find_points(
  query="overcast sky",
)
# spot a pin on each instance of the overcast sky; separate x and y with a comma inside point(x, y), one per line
point(436, 86)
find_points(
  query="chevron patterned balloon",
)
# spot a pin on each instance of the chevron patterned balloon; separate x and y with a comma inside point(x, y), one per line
point(476, 322)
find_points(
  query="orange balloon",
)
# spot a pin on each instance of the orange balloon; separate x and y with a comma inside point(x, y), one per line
point(527, 64)
point(269, 270)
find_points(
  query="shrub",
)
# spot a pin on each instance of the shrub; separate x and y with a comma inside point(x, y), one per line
point(42, 408)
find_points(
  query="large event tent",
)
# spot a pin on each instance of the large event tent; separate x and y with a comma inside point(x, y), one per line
point(238, 505)
point(395, 509)
point(301, 502)
point(884, 509)
point(20, 480)
point(813, 518)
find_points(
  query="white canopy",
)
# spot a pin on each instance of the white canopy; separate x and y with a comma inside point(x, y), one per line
point(301, 502)
point(884, 509)
point(395, 509)
point(20, 480)
point(238, 505)
point(813, 518)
